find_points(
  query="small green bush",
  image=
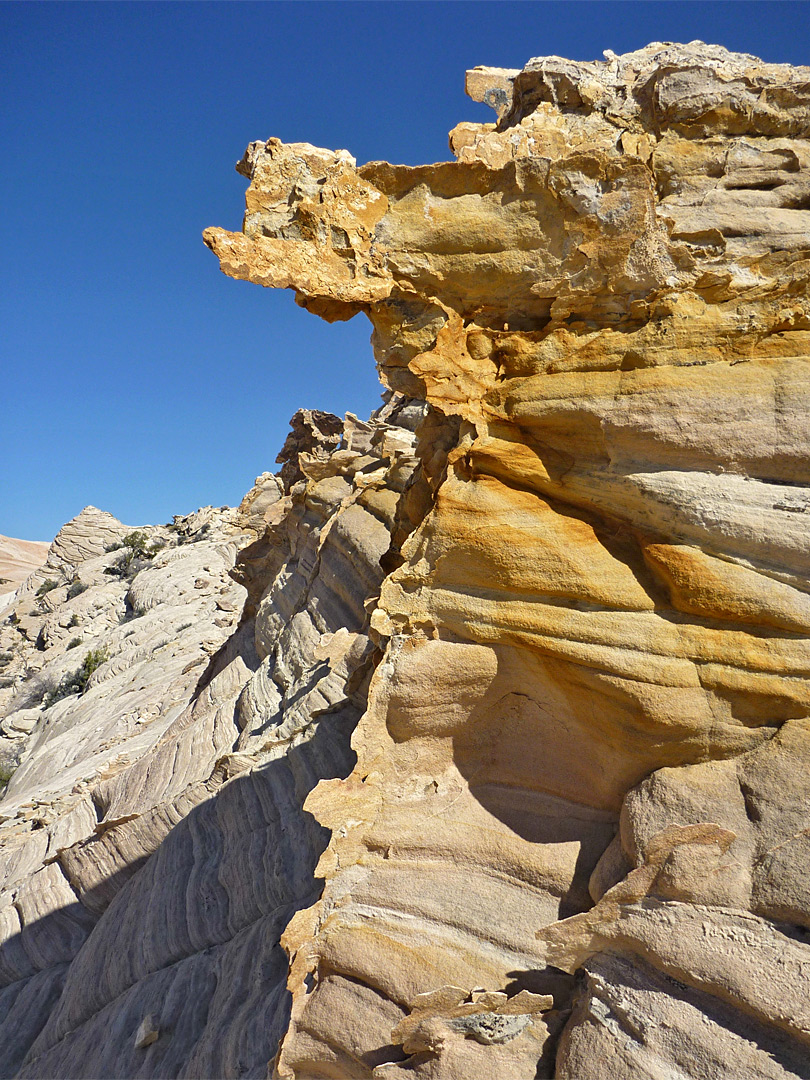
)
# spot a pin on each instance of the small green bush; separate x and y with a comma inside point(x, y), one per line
point(47, 586)
point(76, 682)
point(6, 773)
point(74, 620)
point(134, 545)
point(76, 589)
point(136, 541)
point(94, 659)
point(74, 642)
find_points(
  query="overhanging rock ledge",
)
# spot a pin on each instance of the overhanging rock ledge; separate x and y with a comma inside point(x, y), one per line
point(493, 710)
point(593, 700)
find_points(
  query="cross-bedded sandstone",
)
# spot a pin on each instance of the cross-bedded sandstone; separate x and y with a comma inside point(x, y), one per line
point(604, 301)
point(532, 644)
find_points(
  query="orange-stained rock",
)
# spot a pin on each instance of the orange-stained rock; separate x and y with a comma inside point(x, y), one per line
point(606, 299)
point(502, 727)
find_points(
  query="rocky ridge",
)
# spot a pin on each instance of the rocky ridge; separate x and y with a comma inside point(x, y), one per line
point(504, 734)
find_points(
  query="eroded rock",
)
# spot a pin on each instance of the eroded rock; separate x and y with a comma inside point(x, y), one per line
point(494, 708)
point(604, 583)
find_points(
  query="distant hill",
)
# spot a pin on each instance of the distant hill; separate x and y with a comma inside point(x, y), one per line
point(19, 558)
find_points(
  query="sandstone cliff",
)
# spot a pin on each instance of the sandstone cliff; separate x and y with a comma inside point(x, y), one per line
point(501, 723)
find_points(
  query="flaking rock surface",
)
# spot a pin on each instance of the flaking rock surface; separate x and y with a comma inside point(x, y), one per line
point(501, 718)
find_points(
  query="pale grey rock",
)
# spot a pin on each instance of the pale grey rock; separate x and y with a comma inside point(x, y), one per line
point(631, 1021)
point(84, 536)
point(147, 1033)
point(184, 762)
point(21, 722)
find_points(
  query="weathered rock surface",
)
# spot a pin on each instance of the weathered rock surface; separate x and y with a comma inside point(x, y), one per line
point(601, 612)
point(494, 710)
point(152, 842)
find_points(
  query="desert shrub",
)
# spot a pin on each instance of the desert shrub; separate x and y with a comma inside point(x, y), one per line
point(63, 689)
point(47, 586)
point(74, 620)
point(136, 541)
point(76, 682)
point(76, 589)
point(74, 642)
point(94, 659)
point(6, 772)
point(134, 547)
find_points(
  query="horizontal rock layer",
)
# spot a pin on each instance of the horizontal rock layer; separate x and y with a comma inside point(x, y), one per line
point(18, 559)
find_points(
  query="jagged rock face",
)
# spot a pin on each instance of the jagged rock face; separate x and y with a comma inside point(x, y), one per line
point(531, 644)
point(600, 614)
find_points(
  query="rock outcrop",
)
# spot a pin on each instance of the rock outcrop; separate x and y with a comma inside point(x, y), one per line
point(494, 710)
point(588, 720)
point(172, 694)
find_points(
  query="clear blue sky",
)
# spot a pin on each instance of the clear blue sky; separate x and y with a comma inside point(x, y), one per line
point(135, 376)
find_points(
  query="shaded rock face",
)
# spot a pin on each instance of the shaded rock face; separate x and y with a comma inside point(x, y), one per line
point(153, 845)
point(482, 727)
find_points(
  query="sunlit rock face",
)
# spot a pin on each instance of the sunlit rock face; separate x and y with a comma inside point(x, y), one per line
point(484, 725)
point(595, 643)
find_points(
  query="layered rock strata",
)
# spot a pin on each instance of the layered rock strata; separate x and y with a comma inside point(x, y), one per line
point(18, 559)
point(152, 842)
point(494, 710)
point(585, 744)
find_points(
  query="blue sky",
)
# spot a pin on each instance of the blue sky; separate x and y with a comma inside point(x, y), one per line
point(135, 376)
